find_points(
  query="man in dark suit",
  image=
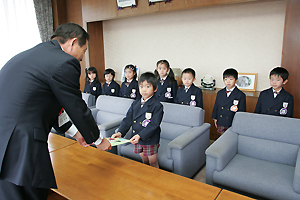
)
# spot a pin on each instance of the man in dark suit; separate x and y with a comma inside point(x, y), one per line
point(45, 80)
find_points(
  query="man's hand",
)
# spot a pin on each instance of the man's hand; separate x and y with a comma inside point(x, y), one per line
point(104, 145)
point(135, 139)
point(116, 135)
point(80, 139)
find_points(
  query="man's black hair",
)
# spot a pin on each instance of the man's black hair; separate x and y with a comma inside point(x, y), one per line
point(280, 71)
point(189, 70)
point(71, 30)
point(230, 72)
point(150, 78)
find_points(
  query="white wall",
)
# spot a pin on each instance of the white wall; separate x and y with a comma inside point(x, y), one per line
point(247, 37)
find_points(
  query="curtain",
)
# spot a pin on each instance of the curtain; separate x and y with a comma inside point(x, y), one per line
point(19, 30)
point(44, 17)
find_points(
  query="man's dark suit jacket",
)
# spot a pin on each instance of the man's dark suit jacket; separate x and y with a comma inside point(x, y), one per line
point(126, 91)
point(107, 90)
point(184, 98)
point(222, 112)
point(163, 89)
point(135, 116)
point(267, 104)
point(45, 79)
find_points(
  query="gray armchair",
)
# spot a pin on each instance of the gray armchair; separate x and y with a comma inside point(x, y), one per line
point(109, 112)
point(89, 99)
point(258, 155)
point(184, 139)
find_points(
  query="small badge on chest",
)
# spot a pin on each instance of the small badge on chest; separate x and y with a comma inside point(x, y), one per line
point(112, 90)
point(168, 93)
point(133, 95)
point(234, 107)
point(283, 111)
point(193, 102)
point(94, 88)
point(147, 120)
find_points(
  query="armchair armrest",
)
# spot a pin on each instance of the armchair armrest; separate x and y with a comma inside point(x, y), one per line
point(296, 181)
point(188, 150)
point(223, 149)
point(110, 125)
point(94, 112)
point(186, 138)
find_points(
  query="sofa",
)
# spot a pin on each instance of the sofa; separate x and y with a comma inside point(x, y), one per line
point(258, 155)
point(89, 99)
point(109, 112)
point(183, 140)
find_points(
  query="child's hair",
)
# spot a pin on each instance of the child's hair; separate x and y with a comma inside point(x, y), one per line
point(133, 68)
point(230, 72)
point(109, 71)
point(280, 71)
point(171, 73)
point(150, 78)
point(91, 70)
point(189, 70)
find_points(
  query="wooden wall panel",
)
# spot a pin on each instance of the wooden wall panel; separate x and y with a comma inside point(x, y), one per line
point(59, 8)
point(98, 10)
point(74, 11)
point(291, 51)
point(96, 48)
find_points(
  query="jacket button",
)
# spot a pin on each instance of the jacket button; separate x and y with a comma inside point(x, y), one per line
point(220, 115)
point(133, 131)
point(268, 109)
point(134, 121)
point(222, 108)
point(181, 102)
point(275, 110)
point(226, 117)
point(140, 122)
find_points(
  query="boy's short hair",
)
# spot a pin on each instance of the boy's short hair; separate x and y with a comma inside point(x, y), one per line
point(230, 72)
point(280, 71)
point(189, 70)
point(150, 78)
point(109, 71)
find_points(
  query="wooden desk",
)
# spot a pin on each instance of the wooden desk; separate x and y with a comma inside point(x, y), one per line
point(87, 173)
point(56, 142)
point(228, 195)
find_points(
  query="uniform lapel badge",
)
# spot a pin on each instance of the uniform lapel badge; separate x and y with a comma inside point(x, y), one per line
point(283, 111)
point(112, 90)
point(168, 93)
point(133, 95)
point(94, 88)
point(234, 107)
point(147, 120)
point(193, 102)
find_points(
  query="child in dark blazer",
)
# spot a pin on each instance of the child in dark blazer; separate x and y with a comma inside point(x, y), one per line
point(92, 84)
point(275, 100)
point(189, 94)
point(167, 85)
point(110, 87)
point(229, 100)
point(144, 115)
point(130, 87)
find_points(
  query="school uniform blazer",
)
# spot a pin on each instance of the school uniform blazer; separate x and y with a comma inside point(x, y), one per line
point(184, 98)
point(222, 112)
point(136, 115)
point(107, 90)
point(162, 90)
point(46, 79)
point(94, 89)
point(126, 91)
point(267, 104)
